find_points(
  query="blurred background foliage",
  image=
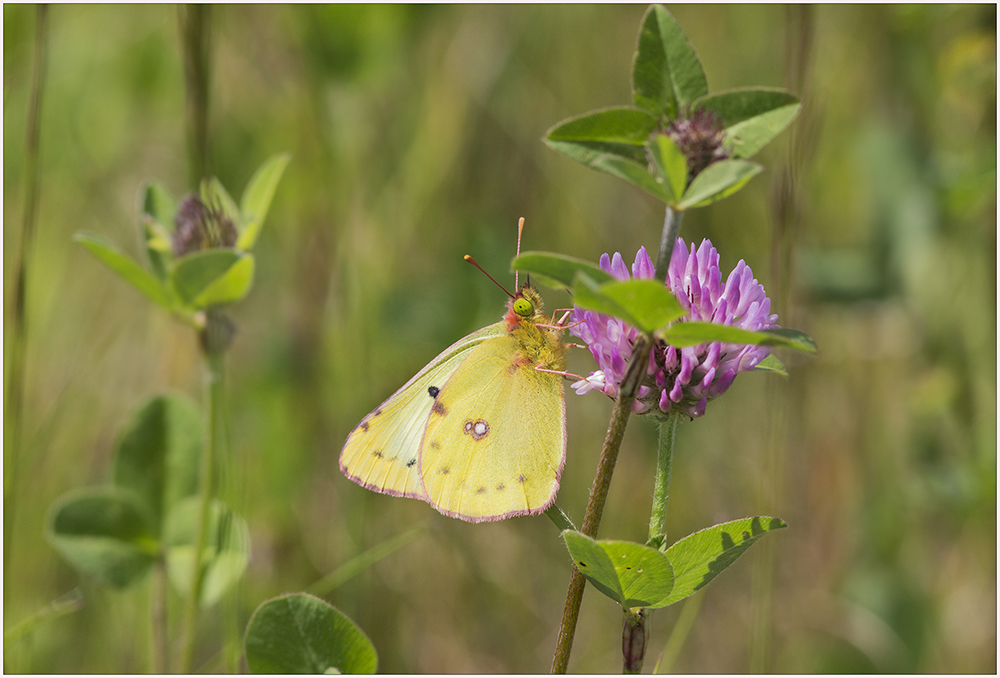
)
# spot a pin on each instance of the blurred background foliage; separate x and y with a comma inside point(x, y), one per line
point(414, 132)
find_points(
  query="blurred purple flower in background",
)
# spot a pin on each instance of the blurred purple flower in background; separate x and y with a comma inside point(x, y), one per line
point(680, 378)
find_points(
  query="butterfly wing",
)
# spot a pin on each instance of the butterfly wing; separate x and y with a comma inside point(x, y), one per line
point(381, 452)
point(495, 441)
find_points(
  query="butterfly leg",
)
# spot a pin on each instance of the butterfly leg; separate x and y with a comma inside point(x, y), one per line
point(563, 373)
point(566, 313)
point(559, 327)
point(559, 323)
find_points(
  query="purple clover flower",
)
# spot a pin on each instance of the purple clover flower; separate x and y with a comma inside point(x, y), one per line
point(682, 379)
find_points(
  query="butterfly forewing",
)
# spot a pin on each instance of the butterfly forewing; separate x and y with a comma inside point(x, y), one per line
point(381, 453)
point(495, 440)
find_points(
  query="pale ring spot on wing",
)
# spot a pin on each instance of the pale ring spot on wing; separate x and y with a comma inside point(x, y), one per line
point(478, 429)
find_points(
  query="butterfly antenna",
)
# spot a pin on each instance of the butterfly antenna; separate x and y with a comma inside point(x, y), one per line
point(520, 227)
point(473, 262)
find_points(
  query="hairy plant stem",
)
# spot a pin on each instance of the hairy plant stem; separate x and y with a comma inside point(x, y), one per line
point(634, 373)
point(210, 454)
point(195, 28)
point(671, 228)
point(15, 384)
point(599, 493)
point(661, 484)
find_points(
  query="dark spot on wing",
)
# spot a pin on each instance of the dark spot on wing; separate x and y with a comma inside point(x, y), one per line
point(481, 490)
point(378, 454)
point(411, 462)
point(439, 408)
point(521, 478)
point(444, 470)
point(364, 426)
point(377, 412)
point(433, 391)
point(501, 487)
point(435, 445)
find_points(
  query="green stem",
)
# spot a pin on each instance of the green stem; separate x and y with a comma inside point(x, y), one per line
point(362, 562)
point(559, 518)
point(634, 373)
point(787, 217)
point(599, 494)
point(65, 604)
point(211, 452)
point(196, 38)
point(15, 385)
point(158, 615)
point(679, 634)
point(633, 652)
point(668, 237)
point(661, 484)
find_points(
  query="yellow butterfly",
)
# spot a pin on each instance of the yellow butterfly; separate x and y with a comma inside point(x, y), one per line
point(480, 432)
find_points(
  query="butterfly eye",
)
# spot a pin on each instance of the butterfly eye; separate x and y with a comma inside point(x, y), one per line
point(523, 307)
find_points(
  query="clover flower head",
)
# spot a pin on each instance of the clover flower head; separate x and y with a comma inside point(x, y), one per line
point(684, 379)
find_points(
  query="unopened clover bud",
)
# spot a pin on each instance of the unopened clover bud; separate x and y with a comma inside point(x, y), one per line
point(635, 634)
point(699, 137)
point(198, 226)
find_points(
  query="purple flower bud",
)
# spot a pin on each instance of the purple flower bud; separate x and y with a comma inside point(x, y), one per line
point(635, 636)
point(699, 136)
point(684, 379)
point(198, 226)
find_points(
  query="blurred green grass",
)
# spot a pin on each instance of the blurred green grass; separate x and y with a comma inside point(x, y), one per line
point(415, 134)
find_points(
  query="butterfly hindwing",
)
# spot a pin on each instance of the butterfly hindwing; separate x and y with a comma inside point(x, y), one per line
point(381, 453)
point(495, 440)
